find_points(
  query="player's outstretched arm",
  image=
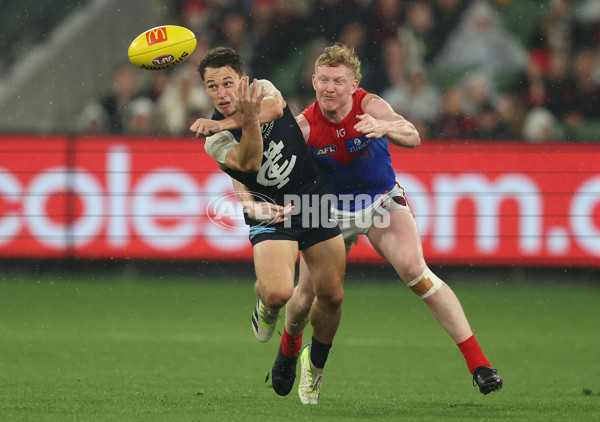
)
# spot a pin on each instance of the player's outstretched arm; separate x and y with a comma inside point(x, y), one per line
point(247, 155)
point(271, 109)
point(379, 119)
point(304, 126)
point(260, 211)
point(206, 127)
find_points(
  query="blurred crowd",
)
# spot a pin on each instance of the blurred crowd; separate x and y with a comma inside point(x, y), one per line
point(458, 69)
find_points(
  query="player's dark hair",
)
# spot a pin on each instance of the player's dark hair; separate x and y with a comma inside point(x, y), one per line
point(221, 57)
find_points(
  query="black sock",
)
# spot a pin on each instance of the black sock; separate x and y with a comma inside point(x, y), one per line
point(319, 353)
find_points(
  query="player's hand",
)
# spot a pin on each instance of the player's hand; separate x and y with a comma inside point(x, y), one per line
point(268, 213)
point(205, 127)
point(372, 127)
point(249, 99)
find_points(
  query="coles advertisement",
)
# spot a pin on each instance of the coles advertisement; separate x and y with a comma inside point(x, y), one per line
point(479, 203)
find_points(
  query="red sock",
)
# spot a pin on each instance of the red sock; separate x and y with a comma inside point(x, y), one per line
point(473, 354)
point(290, 345)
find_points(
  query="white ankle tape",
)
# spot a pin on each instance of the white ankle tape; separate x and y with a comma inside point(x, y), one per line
point(426, 284)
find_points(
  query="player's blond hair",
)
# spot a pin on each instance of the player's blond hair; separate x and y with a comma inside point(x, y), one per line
point(340, 54)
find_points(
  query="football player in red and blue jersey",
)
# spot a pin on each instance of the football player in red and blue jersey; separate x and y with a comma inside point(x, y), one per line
point(347, 131)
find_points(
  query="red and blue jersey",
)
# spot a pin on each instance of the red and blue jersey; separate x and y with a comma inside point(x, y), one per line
point(352, 164)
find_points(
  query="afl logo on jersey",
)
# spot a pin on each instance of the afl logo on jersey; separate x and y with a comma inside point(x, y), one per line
point(326, 151)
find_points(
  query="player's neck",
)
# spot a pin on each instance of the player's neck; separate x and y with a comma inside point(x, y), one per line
point(337, 115)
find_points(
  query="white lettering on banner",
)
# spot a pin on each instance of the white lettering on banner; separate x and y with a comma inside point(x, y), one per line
point(184, 204)
point(58, 235)
point(10, 188)
point(487, 197)
point(558, 241)
point(117, 182)
point(226, 239)
point(146, 206)
point(125, 210)
point(581, 216)
point(162, 209)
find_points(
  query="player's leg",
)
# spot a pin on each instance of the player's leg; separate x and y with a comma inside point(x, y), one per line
point(298, 307)
point(274, 263)
point(326, 262)
point(400, 244)
point(297, 312)
point(283, 373)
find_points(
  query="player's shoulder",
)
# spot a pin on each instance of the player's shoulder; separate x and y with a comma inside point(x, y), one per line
point(310, 113)
point(310, 109)
point(361, 93)
point(373, 104)
point(362, 96)
point(266, 85)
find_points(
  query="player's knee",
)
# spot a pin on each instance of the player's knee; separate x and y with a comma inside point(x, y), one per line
point(257, 288)
point(337, 298)
point(276, 299)
point(332, 297)
point(304, 302)
point(412, 270)
point(425, 284)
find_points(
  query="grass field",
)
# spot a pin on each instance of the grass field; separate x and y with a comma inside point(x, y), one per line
point(170, 350)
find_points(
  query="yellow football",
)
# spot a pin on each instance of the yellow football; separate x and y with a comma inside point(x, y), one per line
point(162, 47)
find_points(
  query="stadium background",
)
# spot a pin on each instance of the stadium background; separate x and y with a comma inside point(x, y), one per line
point(97, 163)
point(123, 298)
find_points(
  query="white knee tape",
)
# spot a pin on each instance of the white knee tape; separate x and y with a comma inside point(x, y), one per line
point(426, 284)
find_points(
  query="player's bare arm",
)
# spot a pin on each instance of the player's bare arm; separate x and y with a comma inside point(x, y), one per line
point(304, 126)
point(247, 155)
point(205, 127)
point(271, 109)
point(379, 119)
point(260, 211)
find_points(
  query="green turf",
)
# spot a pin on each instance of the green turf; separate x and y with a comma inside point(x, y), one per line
point(169, 350)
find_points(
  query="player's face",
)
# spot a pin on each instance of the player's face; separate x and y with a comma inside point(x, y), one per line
point(334, 87)
point(221, 85)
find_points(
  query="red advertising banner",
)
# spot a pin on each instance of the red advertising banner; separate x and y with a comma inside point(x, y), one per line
point(505, 203)
point(164, 198)
point(31, 219)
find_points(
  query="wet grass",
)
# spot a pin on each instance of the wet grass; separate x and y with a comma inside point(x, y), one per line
point(172, 350)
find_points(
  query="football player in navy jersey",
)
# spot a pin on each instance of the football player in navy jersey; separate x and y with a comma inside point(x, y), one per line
point(255, 139)
point(347, 130)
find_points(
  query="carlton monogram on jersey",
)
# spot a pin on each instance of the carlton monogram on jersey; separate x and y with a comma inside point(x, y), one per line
point(287, 166)
point(275, 169)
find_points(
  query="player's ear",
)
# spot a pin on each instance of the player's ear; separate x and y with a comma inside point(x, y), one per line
point(354, 85)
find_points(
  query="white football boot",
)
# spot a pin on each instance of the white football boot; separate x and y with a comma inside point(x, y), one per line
point(264, 322)
point(309, 388)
